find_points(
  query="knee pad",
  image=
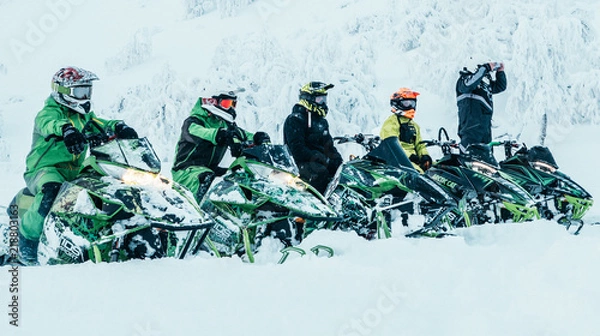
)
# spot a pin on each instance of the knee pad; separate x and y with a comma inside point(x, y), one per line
point(50, 191)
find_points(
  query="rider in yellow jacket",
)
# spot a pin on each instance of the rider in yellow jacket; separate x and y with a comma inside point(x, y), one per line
point(401, 124)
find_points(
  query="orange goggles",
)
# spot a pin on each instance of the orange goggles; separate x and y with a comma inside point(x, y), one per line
point(227, 103)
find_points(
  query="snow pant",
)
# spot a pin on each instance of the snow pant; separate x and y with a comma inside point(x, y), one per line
point(315, 174)
point(44, 183)
point(196, 178)
point(474, 126)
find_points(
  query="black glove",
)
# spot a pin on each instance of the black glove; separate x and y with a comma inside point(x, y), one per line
point(414, 158)
point(321, 158)
point(224, 136)
point(333, 165)
point(425, 162)
point(261, 138)
point(74, 140)
point(359, 138)
point(122, 131)
point(236, 149)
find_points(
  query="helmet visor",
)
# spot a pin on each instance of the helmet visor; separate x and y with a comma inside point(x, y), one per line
point(81, 92)
point(406, 104)
point(321, 100)
point(227, 103)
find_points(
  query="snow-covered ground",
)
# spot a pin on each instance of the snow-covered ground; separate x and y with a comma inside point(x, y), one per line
point(155, 57)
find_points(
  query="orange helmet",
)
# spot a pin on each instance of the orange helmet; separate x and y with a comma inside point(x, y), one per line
point(404, 102)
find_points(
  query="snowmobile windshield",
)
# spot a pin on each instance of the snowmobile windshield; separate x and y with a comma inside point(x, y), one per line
point(277, 156)
point(482, 152)
point(133, 153)
point(390, 152)
point(543, 154)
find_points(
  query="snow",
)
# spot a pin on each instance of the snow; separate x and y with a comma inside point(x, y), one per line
point(156, 57)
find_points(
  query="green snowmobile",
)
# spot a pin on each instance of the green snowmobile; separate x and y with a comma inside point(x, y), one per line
point(369, 190)
point(489, 195)
point(119, 208)
point(262, 196)
point(558, 197)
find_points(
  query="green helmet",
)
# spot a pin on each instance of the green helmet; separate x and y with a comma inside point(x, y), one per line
point(313, 96)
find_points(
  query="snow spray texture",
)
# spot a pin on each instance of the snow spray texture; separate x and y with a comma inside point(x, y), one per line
point(37, 30)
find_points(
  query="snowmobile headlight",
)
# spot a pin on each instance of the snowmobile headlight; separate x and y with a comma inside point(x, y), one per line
point(135, 177)
point(483, 168)
point(543, 166)
point(287, 179)
point(277, 176)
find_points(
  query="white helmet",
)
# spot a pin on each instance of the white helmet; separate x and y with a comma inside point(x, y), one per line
point(72, 87)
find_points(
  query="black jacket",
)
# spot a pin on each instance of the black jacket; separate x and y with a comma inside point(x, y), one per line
point(308, 138)
point(475, 105)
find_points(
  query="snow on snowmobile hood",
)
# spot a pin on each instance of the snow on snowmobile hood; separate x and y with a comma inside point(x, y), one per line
point(134, 153)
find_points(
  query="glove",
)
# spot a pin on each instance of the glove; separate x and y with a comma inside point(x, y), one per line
point(425, 162)
point(414, 158)
point(122, 131)
point(261, 138)
point(333, 165)
point(224, 136)
point(359, 138)
point(74, 140)
point(492, 66)
point(236, 149)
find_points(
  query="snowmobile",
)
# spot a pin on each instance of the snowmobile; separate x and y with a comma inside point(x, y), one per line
point(261, 195)
point(119, 208)
point(368, 191)
point(488, 195)
point(558, 197)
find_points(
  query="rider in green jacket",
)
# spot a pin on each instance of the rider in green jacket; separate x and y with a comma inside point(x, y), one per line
point(205, 136)
point(58, 149)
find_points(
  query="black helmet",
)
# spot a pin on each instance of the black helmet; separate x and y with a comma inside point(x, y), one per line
point(313, 96)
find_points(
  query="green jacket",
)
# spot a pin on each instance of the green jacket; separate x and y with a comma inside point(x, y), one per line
point(48, 151)
point(407, 131)
point(197, 145)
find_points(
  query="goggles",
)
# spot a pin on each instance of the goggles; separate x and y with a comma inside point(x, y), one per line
point(321, 100)
point(227, 103)
point(77, 92)
point(405, 104)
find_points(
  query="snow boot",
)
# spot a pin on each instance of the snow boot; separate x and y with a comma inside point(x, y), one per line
point(28, 250)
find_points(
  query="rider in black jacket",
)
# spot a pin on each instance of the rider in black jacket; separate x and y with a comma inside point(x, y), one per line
point(306, 133)
point(474, 99)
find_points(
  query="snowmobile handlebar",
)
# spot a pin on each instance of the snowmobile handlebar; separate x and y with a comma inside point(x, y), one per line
point(368, 141)
point(447, 145)
point(509, 145)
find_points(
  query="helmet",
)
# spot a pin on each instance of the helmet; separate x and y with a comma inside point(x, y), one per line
point(404, 102)
point(313, 96)
point(72, 87)
point(222, 105)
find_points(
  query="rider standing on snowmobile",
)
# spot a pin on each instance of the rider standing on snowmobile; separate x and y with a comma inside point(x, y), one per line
point(306, 133)
point(205, 136)
point(402, 125)
point(58, 149)
point(475, 106)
